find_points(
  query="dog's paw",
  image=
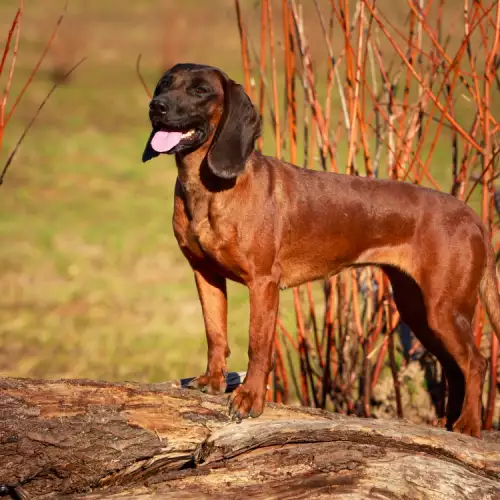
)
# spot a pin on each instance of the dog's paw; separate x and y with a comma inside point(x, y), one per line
point(210, 384)
point(246, 402)
point(468, 425)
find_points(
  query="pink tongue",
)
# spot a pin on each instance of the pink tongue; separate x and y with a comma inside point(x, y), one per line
point(165, 141)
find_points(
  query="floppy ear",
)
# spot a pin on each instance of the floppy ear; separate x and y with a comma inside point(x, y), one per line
point(235, 136)
point(149, 152)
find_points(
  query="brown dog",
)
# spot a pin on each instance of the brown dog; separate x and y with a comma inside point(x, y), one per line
point(262, 222)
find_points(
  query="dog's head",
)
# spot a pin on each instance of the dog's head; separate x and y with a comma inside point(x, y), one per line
point(197, 106)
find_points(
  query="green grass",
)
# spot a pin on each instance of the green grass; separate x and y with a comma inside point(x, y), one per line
point(93, 283)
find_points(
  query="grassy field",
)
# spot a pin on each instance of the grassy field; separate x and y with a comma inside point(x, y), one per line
point(93, 283)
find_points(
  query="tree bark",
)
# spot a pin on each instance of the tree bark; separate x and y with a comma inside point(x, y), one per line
point(96, 440)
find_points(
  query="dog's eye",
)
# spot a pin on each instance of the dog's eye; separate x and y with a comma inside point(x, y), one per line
point(201, 90)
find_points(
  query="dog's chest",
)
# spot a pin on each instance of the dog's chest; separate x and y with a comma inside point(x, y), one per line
point(219, 248)
point(207, 231)
point(201, 237)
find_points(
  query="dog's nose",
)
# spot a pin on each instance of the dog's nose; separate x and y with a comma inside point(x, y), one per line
point(158, 106)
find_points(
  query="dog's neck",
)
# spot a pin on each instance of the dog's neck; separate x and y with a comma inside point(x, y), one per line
point(189, 169)
point(199, 184)
point(194, 173)
point(196, 195)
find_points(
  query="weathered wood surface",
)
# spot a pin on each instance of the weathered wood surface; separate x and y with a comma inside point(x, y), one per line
point(96, 440)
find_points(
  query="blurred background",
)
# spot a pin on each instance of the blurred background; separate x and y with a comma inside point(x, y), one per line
point(92, 282)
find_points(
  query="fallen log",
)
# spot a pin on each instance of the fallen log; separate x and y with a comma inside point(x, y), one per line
point(95, 440)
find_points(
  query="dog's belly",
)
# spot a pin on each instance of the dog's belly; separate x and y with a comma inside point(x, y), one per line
point(306, 262)
point(400, 256)
point(316, 265)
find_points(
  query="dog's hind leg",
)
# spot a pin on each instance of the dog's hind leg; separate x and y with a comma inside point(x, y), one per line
point(453, 328)
point(451, 289)
point(410, 302)
point(445, 332)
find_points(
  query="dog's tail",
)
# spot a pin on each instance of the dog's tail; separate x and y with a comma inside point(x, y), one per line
point(488, 290)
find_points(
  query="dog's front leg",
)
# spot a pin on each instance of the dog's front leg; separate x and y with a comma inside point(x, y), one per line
point(248, 400)
point(213, 298)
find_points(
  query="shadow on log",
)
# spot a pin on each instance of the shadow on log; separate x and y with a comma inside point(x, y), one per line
point(96, 440)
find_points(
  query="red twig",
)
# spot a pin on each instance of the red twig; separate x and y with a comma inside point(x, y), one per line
point(141, 78)
point(37, 65)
